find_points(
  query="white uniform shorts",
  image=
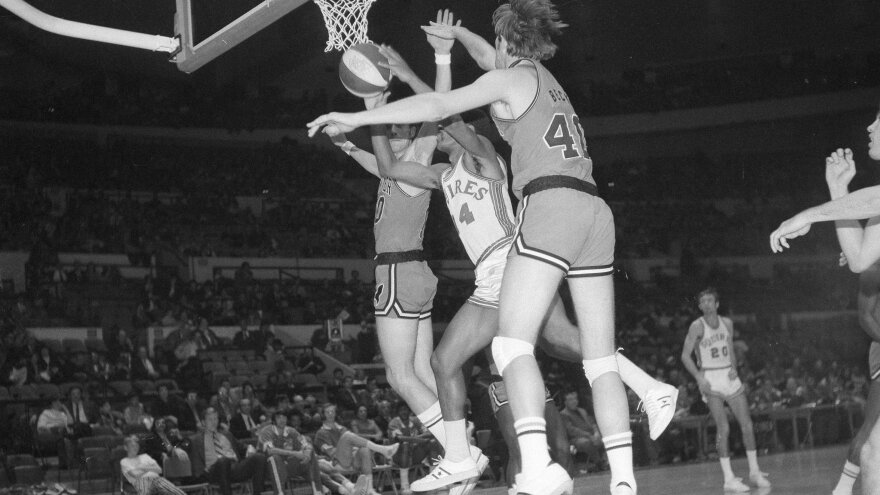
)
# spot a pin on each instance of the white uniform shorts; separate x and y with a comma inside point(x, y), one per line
point(722, 386)
point(489, 274)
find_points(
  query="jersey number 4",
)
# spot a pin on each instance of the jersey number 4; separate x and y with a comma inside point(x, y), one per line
point(558, 134)
point(465, 216)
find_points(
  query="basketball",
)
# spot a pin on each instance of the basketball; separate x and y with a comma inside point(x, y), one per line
point(360, 72)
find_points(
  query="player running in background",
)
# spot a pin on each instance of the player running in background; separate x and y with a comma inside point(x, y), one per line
point(711, 336)
point(552, 171)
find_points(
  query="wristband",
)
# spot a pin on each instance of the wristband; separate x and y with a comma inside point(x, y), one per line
point(442, 58)
point(347, 147)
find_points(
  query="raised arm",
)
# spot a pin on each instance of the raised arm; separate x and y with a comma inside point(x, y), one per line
point(478, 146)
point(428, 107)
point(479, 49)
point(858, 205)
point(364, 158)
point(869, 296)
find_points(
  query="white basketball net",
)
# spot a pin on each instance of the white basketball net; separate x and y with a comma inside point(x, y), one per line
point(346, 22)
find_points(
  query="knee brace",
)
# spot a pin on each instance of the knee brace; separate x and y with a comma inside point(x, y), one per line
point(594, 368)
point(506, 349)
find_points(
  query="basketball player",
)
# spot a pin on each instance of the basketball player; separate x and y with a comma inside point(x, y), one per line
point(715, 371)
point(552, 172)
point(475, 189)
point(869, 296)
point(861, 247)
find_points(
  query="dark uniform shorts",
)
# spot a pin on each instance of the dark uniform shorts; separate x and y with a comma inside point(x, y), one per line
point(404, 290)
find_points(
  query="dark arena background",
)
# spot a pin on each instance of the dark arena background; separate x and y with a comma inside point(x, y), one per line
point(171, 241)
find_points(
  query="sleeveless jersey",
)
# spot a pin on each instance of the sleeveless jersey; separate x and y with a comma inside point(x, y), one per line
point(714, 350)
point(480, 208)
point(547, 139)
point(399, 223)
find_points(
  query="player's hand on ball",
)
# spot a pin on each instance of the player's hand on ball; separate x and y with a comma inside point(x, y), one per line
point(332, 124)
point(795, 226)
point(376, 101)
point(442, 43)
point(839, 171)
point(396, 64)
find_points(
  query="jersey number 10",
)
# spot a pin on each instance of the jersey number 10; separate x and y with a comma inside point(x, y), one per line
point(558, 134)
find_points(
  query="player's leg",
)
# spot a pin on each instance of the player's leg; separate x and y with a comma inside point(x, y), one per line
point(557, 437)
point(527, 290)
point(739, 405)
point(560, 339)
point(852, 467)
point(722, 443)
point(472, 329)
point(401, 341)
point(593, 299)
point(870, 458)
point(504, 417)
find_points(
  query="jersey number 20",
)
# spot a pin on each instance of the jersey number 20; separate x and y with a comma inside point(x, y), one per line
point(558, 134)
point(715, 352)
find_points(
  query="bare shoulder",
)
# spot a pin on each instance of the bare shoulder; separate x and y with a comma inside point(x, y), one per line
point(696, 328)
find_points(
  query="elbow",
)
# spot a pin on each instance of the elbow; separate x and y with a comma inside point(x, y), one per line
point(857, 266)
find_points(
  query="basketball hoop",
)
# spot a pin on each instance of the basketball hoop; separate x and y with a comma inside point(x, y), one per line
point(346, 22)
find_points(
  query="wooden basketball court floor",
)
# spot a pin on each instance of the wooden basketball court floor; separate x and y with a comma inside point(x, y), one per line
point(802, 472)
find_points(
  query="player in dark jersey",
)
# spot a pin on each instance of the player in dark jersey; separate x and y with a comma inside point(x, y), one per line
point(552, 172)
point(861, 248)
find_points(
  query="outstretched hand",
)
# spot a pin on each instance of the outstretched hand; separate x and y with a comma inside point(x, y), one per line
point(441, 29)
point(440, 33)
point(839, 171)
point(396, 64)
point(795, 226)
point(332, 124)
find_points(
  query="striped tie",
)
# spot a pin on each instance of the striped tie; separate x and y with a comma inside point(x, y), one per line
point(218, 445)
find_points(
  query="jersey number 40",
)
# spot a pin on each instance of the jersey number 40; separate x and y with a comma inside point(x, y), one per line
point(558, 134)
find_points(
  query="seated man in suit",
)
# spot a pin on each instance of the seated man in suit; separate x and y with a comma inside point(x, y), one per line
point(218, 457)
point(81, 414)
point(165, 404)
point(292, 455)
point(190, 412)
point(243, 425)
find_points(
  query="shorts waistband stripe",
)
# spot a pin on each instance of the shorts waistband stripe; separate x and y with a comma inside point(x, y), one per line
point(400, 257)
point(559, 181)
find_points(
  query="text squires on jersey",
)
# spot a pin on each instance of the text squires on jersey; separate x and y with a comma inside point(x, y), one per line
point(469, 188)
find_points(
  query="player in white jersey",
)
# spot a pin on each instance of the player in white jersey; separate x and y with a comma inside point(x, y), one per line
point(711, 336)
point(475, 189)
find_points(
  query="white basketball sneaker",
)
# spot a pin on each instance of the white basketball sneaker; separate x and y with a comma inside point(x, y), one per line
point(759, 479)
point(466, 487)
point(552, 480)
point(659, 403)
point(736, 485)
point(623, 488)
point(446, 473)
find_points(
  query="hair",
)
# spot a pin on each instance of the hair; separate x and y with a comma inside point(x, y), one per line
point(132, 439)
point(527, 25)
point(278, 412)
point(708, 291)
point(207, 411)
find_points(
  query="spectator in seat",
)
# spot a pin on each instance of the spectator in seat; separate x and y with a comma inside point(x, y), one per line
point(47, 368)
point(135, 413)
point(245, 338)
point(349, 451)
point(346, 397)
point(143, 472)
point(165, 441)
point(243, 425)
point(308, 363)
point(366, 427)
point(190, 418)
point(583, 433)
point(165, 404)
point(81, 413)
point(19, 372)
point(142, 367)
point(119, 343)
point(219, 458)
point(53, 430)
point(293, 456)
point(109, 417)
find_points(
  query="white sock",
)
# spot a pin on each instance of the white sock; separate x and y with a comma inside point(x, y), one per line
point(432, 418)
point(725, 467)
point(531, 435)
point(847, 479)
point(634, 377)
point(618, 448)
point(752, 455)
point(404, 479)
point(457, 445)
